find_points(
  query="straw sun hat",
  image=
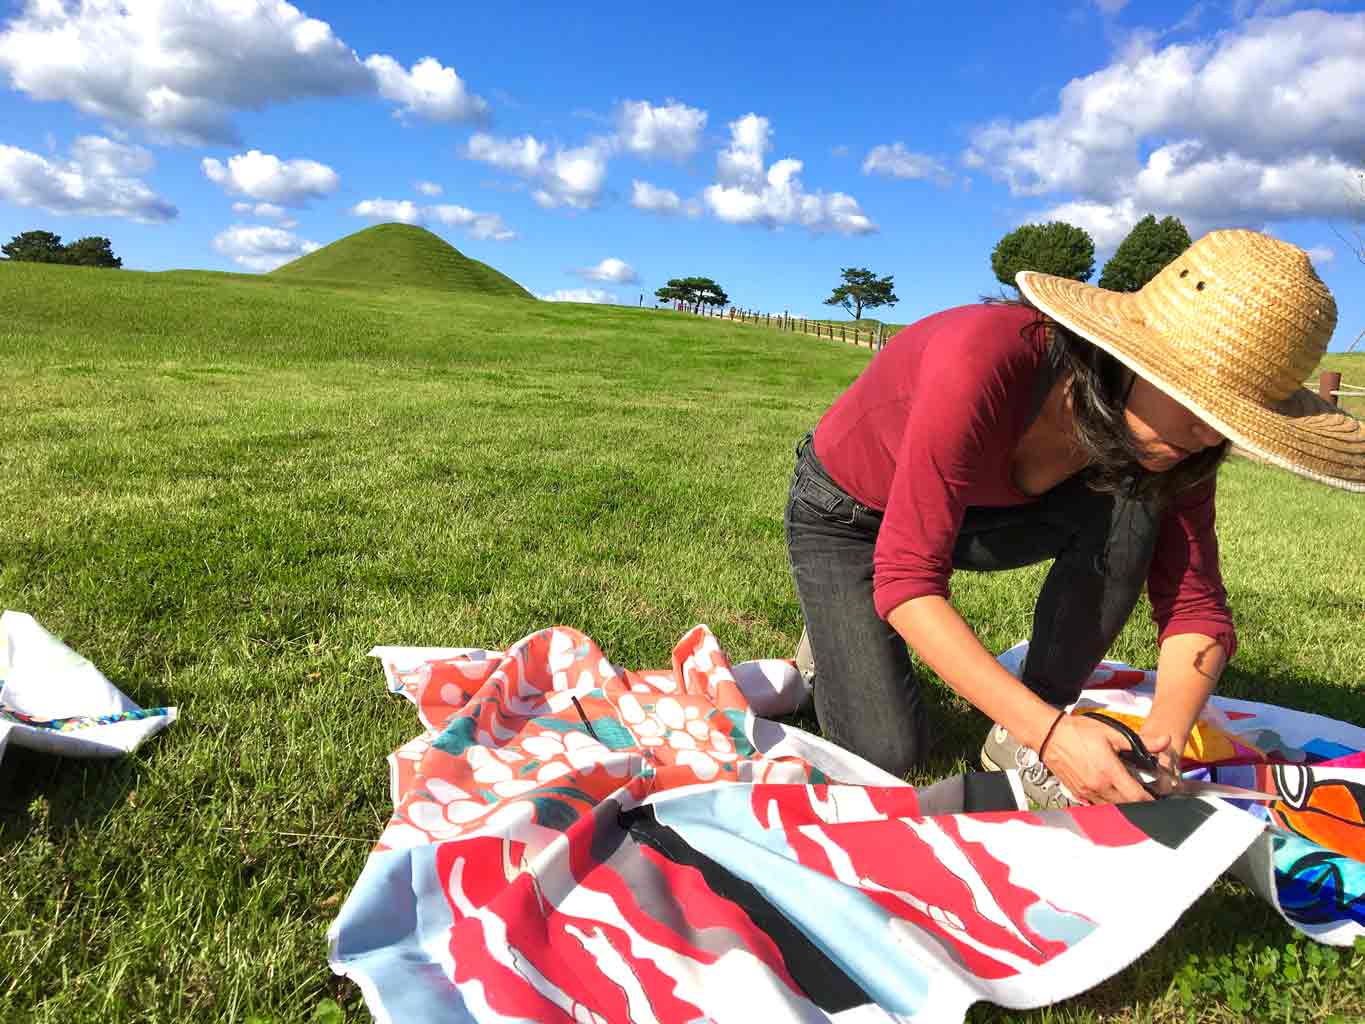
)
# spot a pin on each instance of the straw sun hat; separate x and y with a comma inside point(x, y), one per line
point(1230, 329)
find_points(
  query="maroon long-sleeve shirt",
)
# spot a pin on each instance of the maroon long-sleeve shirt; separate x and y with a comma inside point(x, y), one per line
point(929, 428)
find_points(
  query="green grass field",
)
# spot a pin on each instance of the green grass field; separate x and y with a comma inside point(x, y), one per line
point(224, 489)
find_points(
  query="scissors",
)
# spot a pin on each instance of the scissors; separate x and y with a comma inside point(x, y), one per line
point(1150, 772)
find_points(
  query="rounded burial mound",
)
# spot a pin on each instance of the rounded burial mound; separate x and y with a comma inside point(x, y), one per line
point(401, 254)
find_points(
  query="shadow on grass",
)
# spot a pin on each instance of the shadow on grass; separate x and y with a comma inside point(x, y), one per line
point(58, 793)
point(1316, 696)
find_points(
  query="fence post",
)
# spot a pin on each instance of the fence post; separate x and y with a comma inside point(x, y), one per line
point(1329, 381)
point(842, 335)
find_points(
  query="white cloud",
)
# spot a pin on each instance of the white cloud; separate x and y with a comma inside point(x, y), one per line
point(594, 295)
point(1107, 223)
point(741, 163)
point(612, 270)
point(566, 177)
point(479, 226)
point(429, 188)
point(261, 248)
point(896, 161)
point(404, 211)
point(575, 177)
point(1256, 125)
point(268, 178)
point(106, 158)
point(1321, 254)
point(644, 196)
point(746, 194)
point(520, 156)
point(96, 182)
point(1208, 192)
point(181, 70)
point(672, 131)
point(429, 90)
point(260, 210)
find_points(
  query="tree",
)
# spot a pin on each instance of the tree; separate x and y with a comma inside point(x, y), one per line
point(35, 247)
point(92, 251)
point(695, 291)
point(862, 290)
point(1056, 248)
point(1149, 247)
point(45, 247)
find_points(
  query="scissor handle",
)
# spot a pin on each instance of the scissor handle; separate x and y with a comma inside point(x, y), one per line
point(1139, 756)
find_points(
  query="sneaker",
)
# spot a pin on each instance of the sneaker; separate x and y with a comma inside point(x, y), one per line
point(805, 665)
point(1001, 751)
point(805, 661)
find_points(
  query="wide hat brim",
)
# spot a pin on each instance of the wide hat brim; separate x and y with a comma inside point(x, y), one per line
point(1301, 433)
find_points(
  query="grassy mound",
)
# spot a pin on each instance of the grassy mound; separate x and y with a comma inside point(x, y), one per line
point(401, 254)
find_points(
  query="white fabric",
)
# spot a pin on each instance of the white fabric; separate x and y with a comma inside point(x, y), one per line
point(43, 678)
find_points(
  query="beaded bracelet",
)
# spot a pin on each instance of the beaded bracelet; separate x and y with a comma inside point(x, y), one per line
point(1051, 729)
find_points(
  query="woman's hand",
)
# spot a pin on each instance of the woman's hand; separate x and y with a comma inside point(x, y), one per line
point(1167, 749)
point(1083, 753)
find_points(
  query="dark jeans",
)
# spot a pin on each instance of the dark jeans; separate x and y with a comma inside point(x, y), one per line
point(867, 697)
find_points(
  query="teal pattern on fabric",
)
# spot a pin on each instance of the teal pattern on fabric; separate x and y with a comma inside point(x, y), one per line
point(458, 737)
point(612, 734)
point(554, 814)
point(558, 724)
point(737, 734)
point(568, 792)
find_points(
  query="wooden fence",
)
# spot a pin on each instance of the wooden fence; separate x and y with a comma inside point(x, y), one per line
point(1333, 390)
point(875, 336)
point(871, 336)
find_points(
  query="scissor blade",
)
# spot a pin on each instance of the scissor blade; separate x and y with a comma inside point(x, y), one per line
point(1192, 787)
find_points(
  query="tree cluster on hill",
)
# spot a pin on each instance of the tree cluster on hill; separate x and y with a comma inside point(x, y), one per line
point(45, 247)
point(862, 290)
point(1064, 250)
point(694, 291)
point(1056, 248)
point(1149, 247)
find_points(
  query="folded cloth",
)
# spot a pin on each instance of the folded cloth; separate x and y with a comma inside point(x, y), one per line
point(55, 701)
point(573, 841)
point(1309, 863)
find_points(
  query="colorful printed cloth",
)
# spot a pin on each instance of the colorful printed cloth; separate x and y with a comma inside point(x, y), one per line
point(574, 841)
point(54, 700)
point(1310, 860)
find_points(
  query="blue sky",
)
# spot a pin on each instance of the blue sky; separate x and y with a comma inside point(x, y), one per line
point(594, 154)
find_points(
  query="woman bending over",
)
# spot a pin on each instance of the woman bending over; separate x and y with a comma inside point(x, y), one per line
point(1079, 425)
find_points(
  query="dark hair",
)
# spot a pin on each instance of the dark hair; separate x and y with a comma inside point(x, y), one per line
point(1099, 390)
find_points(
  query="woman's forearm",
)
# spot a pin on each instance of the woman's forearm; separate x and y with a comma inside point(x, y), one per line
point(1187, 671)
point(938, 634)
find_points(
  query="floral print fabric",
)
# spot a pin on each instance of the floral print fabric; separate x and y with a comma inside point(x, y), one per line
point(576, 841)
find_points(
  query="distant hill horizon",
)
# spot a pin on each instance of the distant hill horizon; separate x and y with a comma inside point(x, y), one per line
point(401, 254)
